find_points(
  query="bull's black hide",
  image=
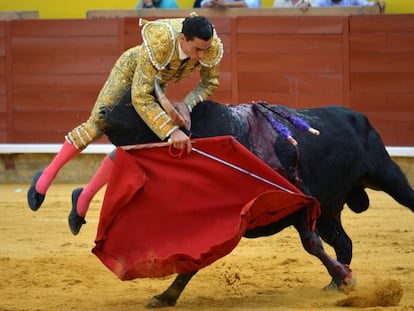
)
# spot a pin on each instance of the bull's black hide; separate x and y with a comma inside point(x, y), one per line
point(335, 167)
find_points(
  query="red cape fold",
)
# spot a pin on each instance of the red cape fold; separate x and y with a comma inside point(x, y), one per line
point(162, 215)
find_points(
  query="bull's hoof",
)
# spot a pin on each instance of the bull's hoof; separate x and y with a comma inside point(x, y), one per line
point(157, 302)
point(331, 286)
point(348, 284)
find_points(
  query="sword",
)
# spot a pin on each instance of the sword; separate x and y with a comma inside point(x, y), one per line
point(240, 169)
point(211, 157)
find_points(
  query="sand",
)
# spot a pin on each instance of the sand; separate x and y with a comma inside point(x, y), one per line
point(44, 267)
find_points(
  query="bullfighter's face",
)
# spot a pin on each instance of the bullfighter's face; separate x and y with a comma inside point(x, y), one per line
point(196, 48)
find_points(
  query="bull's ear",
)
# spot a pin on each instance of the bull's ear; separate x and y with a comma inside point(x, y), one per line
point(166, 104)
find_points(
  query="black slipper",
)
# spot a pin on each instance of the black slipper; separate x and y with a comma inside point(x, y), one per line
point(34, 198)
point(75, 221)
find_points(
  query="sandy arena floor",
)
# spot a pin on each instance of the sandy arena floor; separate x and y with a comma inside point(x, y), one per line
point(44, 267)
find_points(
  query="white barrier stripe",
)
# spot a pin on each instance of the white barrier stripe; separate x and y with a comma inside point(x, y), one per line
point(401, 151)
point(52, 148)
point(59, 220)
point(394, 151)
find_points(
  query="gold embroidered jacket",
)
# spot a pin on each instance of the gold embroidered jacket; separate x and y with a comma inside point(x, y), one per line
point(158, 55)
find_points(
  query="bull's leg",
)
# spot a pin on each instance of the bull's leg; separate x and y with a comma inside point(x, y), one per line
point(331, 231)
point(169, 297)
point(386, 175)
point(341, 274)
point(389, 178)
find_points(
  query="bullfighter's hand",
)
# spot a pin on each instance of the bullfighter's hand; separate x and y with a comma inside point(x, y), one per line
point(179, 140)
point(185, 113)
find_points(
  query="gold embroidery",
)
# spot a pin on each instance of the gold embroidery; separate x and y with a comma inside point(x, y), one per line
point(214, 54)
point(137, 67)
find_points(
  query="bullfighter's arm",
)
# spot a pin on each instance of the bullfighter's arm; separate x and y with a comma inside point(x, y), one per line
point(144, 102)
point(205, 88)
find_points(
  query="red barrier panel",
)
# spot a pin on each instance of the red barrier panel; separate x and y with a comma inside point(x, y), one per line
point(52, 70)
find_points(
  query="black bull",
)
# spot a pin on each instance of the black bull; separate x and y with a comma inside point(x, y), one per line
point(334, 167)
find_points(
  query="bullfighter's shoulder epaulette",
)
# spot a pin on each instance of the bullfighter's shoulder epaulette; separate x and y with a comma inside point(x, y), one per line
point(159, 39)
point(214, 54)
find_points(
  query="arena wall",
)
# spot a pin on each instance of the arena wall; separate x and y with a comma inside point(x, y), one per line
point(52, 70)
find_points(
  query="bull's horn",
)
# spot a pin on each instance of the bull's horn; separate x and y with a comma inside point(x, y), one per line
point(166, 104)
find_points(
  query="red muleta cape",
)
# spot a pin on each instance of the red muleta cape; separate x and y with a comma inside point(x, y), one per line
point(162, 215)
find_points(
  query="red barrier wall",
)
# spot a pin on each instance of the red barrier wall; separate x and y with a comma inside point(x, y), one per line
point(381, 70)
point(4, 70)
point(52, 70)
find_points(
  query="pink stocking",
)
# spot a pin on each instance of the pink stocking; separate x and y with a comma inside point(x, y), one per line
point(97, 182)
point(66, 153)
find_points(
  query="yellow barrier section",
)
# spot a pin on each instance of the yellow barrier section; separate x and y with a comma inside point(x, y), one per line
point(59, 9)
point(78, 8)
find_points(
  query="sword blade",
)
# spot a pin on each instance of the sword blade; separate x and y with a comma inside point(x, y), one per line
point(240, 169)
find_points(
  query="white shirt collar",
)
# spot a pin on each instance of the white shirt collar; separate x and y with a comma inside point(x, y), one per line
point(181, 54)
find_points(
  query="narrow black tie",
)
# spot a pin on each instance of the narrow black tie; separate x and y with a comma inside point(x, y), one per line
point(184, 62)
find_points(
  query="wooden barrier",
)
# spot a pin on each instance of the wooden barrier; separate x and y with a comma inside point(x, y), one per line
point(296, 61)
point(57, 69)
point(381, 74)
point(52, 70)
point(5, 84)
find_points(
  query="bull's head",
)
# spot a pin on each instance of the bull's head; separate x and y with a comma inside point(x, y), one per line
point(166, 104)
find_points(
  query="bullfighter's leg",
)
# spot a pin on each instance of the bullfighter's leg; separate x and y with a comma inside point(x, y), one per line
point(117, 84)
point(173, 292)
point(82, 197)
point(75, 142)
